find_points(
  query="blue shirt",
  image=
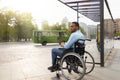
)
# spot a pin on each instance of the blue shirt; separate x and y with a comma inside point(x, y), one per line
point(73, 38)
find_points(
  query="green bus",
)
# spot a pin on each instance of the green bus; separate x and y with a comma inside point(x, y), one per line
point(49, 36)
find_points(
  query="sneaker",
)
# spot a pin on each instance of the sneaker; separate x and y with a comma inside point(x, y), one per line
point(52, 68)
point(76, 71)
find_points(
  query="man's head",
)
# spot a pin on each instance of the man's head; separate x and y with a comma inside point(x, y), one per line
point(74, 27)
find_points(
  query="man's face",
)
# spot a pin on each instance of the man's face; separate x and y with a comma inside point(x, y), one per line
point(73, 28)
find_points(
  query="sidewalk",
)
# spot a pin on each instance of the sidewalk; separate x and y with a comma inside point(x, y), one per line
point(111, 71)
point(30, 62)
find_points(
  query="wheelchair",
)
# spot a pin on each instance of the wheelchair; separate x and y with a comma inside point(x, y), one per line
point(75, 63)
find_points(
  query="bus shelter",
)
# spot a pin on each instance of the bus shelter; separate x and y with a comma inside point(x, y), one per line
point(94, 10)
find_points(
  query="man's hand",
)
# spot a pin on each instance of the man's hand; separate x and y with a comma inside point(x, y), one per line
point(62, 43)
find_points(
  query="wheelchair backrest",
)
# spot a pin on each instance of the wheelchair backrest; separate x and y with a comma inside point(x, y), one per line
point(79, 48)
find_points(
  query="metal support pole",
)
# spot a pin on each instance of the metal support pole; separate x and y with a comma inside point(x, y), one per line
point(77, 13)
point(109, 10)
point(102, 32)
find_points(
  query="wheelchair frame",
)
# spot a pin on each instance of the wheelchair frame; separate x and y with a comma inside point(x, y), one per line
point(80, 55)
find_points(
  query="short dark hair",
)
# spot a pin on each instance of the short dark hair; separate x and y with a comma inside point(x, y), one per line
point(76, 23)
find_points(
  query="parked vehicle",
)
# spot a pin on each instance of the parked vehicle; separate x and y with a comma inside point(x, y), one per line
point(49, 36)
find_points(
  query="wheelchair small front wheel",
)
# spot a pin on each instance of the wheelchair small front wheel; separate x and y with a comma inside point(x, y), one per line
point(72, 66)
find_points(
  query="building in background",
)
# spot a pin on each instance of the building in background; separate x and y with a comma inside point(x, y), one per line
point(117, 26)
point(110, 28)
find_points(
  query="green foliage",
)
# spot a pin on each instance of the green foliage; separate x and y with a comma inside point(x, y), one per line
point(68, 30)
point(117, 34)
point(65, 38)
point(15, 26)
point(82, 30)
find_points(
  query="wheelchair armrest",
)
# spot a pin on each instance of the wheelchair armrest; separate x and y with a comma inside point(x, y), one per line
point(68, 50)
point(83, 40)
point(88, 39)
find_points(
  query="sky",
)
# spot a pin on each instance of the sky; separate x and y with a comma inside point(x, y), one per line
point(53, 11)
point(114, 6)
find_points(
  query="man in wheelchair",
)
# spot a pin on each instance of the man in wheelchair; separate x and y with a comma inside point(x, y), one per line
point(75, 35)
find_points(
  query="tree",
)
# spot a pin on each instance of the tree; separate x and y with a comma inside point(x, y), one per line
point(15, 26)
point(24, 26)
point(55, 27)
point(64, 23)
point(45, 25)
point(5, 19)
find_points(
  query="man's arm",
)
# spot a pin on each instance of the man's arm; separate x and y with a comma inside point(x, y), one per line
point(70, 42)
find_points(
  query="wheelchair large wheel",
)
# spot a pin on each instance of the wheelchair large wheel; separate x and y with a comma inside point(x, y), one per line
point(72, 66)
point(89, 62)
